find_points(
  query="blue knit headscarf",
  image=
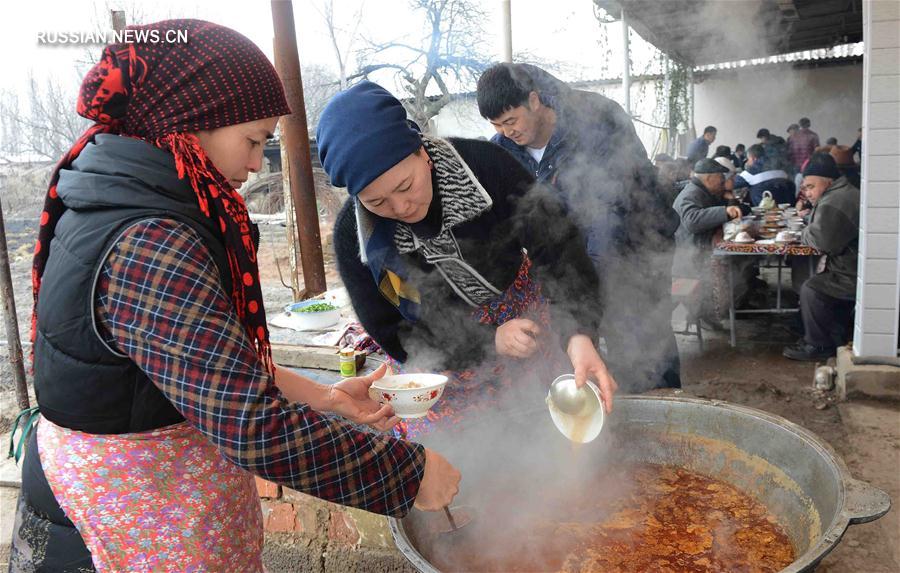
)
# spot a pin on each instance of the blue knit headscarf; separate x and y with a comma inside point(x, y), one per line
point(362, 133)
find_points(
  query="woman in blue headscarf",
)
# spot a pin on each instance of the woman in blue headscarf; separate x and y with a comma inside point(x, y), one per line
point(455, 260)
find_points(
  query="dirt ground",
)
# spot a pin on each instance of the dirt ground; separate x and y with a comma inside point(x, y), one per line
point(865, 434)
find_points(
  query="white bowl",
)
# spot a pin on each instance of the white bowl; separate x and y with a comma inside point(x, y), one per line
point(312, 320)
point(743, 237)
point(411, 395)
point(785, 237)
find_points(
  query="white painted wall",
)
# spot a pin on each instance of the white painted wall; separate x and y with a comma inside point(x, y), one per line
point(878, 282)
point(739, 102)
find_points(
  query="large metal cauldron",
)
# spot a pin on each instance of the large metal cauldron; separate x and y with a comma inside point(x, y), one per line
point(802, 481)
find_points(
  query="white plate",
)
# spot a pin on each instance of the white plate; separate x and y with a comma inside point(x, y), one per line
point(765, 242)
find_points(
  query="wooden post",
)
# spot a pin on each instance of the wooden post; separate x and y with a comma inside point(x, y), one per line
point(289, 224)
point(7, 300)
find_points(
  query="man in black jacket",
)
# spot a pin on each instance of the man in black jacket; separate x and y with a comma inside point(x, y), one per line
point(586, 146)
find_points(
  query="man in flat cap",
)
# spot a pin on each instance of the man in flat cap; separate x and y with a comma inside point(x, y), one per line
point(827, 299)
point(703, 210)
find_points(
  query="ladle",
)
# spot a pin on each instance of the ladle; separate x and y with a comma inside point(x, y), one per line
point(456, 520)
point(572, 400)
point(456, 523)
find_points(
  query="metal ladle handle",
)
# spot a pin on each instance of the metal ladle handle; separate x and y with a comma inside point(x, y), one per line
point(450, 517)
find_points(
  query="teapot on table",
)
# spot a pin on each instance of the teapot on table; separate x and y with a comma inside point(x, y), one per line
point(767, 202)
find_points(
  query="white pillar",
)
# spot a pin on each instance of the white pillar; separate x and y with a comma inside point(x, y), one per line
point(667, 93)
point(691, 128)
point(878, 279)
point(626, 67)
point(506, 11)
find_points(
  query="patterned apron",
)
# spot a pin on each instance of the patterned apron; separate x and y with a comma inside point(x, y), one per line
point(163, 500)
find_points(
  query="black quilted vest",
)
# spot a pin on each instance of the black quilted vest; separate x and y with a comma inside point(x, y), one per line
point(81, 383)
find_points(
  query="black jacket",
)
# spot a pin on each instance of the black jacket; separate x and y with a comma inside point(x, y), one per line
point(523, 215)
point(80, 382)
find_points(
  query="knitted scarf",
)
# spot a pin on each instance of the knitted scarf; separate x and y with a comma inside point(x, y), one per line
point(161, 92)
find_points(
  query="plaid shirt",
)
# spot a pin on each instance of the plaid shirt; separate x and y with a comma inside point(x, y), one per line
point(160, 301)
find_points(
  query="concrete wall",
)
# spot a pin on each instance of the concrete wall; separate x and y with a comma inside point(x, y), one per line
point(739, 102)
point(878, 282)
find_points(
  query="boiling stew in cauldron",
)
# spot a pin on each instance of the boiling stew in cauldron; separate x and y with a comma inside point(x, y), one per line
point(641, 517)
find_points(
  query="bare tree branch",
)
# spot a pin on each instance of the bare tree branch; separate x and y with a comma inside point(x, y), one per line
point(334, 31)
point(450, 56)
point(43, 126)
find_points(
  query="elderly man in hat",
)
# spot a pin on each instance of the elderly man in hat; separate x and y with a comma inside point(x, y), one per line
point(703, 210)
point(827, 299)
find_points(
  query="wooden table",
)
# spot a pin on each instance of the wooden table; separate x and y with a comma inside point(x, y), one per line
point(778, 250)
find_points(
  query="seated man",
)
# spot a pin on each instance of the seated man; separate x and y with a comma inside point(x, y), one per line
point(703, 211)
point(827, 299)
point(757, 178)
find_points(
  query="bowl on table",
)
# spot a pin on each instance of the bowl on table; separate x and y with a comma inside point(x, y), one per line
point(743, 237)
point(411, 395)
point(786, 237)
point(313, 314)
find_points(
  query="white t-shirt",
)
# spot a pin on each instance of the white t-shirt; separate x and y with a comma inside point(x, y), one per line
point(536, 153)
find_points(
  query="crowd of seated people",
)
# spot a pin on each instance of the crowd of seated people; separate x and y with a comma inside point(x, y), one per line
point(820, 181)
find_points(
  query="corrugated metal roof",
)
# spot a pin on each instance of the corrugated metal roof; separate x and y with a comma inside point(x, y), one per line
point(844, 51)
point(703, 32)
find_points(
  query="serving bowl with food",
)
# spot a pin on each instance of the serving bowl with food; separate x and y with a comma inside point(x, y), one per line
point(411, 395)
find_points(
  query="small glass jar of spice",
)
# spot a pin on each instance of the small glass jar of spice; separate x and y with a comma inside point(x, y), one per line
point(348, 362)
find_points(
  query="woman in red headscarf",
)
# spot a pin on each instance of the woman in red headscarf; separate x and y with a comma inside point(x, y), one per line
point(152, 363)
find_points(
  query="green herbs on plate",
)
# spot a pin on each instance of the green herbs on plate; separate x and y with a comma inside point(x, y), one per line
point(318, 307)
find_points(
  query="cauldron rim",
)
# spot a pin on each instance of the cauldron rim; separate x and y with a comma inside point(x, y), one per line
point(858, 501)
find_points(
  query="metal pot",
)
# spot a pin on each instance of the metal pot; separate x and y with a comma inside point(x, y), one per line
point(799, 477)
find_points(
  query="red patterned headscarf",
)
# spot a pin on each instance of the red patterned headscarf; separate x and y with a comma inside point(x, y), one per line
point(160, 92)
